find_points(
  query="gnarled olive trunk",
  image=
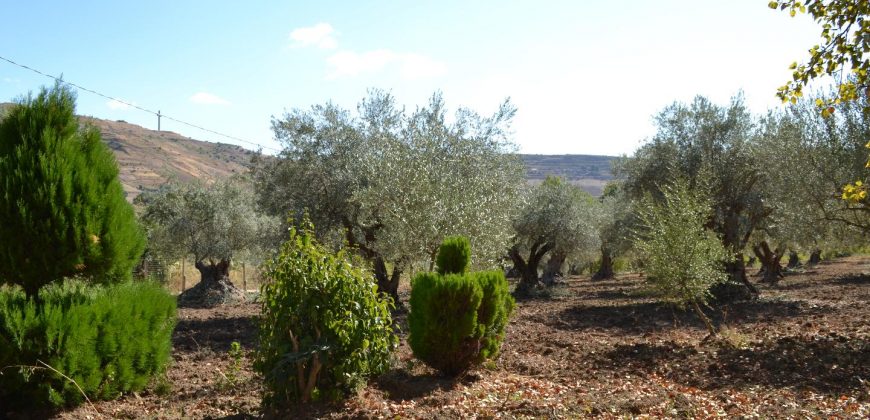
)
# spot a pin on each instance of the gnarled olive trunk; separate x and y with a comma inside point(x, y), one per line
point(553, 269)
point(735, 240)
point(213, 272)
point(736, 270)
point(793, 260)
point(815, 257)
point(528, 267)
point(605, 270)
point(214, 287)
point(388, 284)
point(770, 261)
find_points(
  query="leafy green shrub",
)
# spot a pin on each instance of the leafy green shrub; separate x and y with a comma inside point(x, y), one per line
point(684, 259)
point(495, 307)
point(324, 327)
point(458, 320)
point(109, 340)
point(454, 255)
point(60, 191)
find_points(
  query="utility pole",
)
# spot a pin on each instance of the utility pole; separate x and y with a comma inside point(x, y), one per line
point(158, 120)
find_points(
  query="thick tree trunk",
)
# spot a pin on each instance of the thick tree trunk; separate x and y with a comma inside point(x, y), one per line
point(553, 269)
point(770, 262)
point(605, 270)
point(528, 268)
point(739, 287)
point(214, 287)
point(388, 284)
point(733, 240)
point(793, 260)
point(815, 257)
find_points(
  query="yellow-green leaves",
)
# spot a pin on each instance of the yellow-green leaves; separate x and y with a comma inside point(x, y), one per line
point(844, 32)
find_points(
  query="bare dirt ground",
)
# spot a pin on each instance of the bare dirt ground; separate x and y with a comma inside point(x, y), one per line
point(590, 349)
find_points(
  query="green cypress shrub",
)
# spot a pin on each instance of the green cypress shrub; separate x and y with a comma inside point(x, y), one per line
point(110, 340)
point(495, 308)
point(458, 320)
point(324, 328)
point(454, 255)
point(62, 207)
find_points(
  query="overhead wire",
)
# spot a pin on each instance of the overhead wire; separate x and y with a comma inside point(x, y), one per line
point(131, 105)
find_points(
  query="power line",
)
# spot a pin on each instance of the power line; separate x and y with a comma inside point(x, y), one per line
point(158, 114)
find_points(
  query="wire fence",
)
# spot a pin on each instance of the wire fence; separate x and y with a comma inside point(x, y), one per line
point(157, 113)
point(181, 275)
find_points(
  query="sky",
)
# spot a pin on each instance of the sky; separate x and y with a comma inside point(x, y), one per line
point(586, 76)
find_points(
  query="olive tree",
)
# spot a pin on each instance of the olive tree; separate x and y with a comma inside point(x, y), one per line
point(554, 218)
point(706, 143)
point(810, 157)
point(216, 224)
point(682, 258)
point(393, 185)
point(617, 218)
point(845, 40)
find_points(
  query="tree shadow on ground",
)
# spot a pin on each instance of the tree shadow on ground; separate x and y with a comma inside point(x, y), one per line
point(608, 295)
point(653, 316)
point(215, 334)
point(400, 385)
point(832, 364)
point(851, 279)
point(857, 279)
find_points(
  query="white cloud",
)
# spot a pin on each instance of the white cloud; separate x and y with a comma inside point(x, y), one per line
point(320, 35)
point(411, 66)
point(117, 105)
point(205, 98)
point(11, 80)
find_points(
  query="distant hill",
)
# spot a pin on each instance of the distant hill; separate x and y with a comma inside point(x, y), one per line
point(149, 158)
point(590, 172)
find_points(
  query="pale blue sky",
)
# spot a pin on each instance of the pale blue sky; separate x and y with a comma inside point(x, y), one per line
point(586, 76)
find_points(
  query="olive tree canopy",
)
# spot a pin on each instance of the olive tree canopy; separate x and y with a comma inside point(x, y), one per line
point(216, 224)
point(393, 185)
point(555, 219)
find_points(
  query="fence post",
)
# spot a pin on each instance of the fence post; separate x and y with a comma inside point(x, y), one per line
point(183, 277)
point(244, 279)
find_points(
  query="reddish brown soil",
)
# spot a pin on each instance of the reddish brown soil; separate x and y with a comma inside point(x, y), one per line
point(590, 349)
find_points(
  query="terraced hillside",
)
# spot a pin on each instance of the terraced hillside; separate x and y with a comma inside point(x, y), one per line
point(149, 158)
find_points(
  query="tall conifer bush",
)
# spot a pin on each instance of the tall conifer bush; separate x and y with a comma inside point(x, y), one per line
point(62, 207)
point(457, 318)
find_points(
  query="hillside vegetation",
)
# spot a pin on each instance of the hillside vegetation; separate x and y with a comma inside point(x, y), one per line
point(149, 158)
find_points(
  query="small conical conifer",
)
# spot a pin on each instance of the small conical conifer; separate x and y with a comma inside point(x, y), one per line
point(62, 207)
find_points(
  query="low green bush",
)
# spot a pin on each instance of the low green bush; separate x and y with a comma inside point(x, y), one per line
point(457, 320)
point(109, 340)
point(324, 328)
point(454, 256)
